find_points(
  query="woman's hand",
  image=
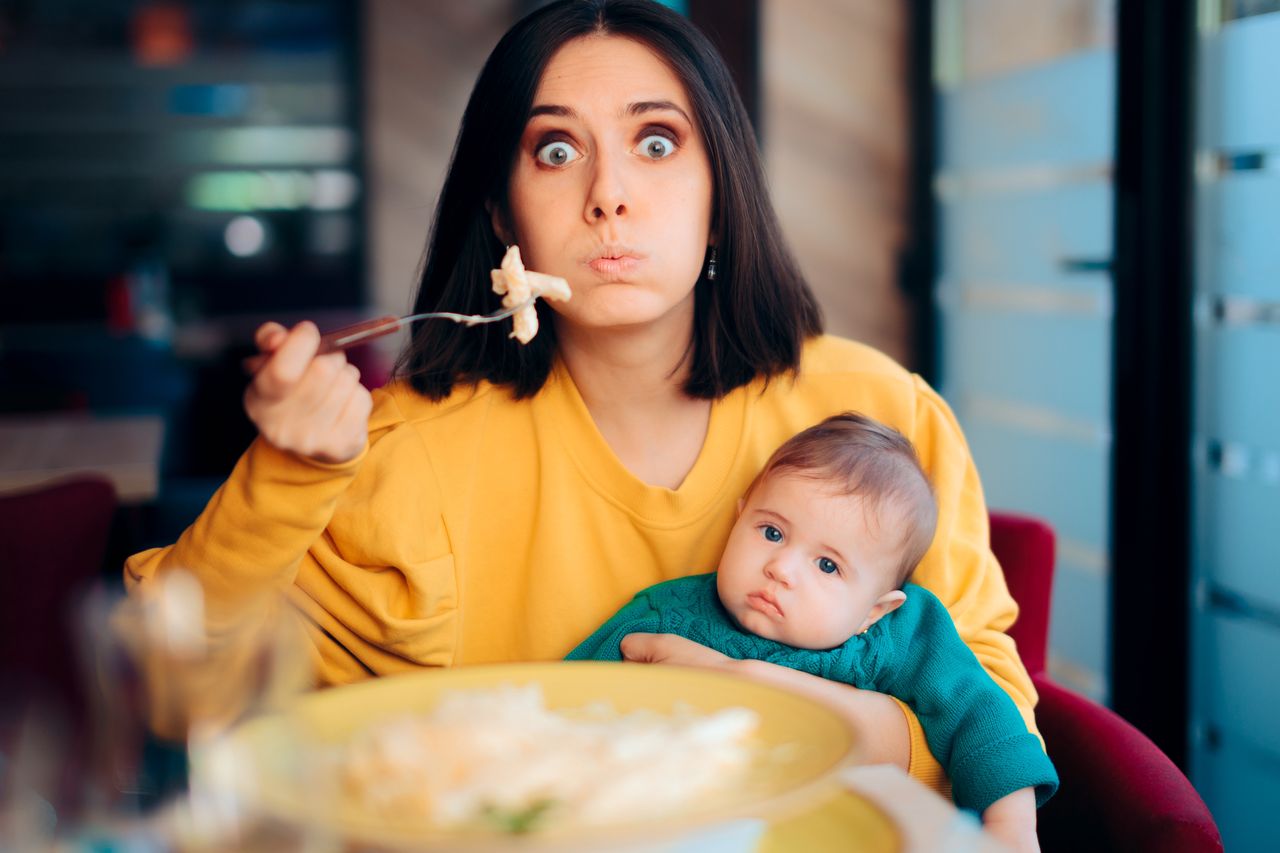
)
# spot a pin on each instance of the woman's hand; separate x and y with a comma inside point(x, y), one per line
point(885, 736)
point(311, 405)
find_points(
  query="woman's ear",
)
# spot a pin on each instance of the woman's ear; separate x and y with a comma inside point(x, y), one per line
point(498, 220)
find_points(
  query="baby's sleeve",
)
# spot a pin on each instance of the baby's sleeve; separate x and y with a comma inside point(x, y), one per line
point(605, 643)
point(972, 726)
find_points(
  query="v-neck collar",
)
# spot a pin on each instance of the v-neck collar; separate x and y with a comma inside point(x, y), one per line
point(562, 415)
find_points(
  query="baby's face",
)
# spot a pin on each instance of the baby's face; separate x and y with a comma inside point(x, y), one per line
point(805, 565)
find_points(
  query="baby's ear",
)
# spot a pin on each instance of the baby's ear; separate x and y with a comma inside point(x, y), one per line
point(884, 605)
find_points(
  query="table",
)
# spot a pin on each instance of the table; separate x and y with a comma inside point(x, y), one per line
point(36, 449)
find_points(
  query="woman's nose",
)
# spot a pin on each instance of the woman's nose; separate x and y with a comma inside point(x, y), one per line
point(607, 196)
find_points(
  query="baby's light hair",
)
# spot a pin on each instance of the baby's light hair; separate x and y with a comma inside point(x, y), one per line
point(863, 457)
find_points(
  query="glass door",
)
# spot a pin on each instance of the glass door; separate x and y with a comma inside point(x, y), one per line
point(1026, 141)
point(1235, 743)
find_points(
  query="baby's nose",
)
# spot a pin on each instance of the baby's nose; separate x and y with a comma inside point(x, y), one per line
point(778, 570)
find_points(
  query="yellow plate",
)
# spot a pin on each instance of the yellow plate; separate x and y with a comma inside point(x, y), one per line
point(818, 743)
point(844, 823)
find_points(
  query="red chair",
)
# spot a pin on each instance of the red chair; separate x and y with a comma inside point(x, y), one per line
point(1119, 791)
point(53, 540)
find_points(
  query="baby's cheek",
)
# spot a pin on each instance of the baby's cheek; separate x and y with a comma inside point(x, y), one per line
point(828, 631)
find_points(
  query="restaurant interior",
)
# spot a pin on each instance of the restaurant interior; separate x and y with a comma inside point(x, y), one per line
point(1054, 211)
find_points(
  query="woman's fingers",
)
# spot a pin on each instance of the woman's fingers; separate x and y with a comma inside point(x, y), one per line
point(269, 336)
point(289, 361)
point(352, 420)
point(311, 405)
point(320, 375)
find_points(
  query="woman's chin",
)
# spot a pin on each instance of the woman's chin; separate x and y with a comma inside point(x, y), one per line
point(623, 307)
point(630, 318)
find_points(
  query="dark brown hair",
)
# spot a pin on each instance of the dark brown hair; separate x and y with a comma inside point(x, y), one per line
point(751, 321)
point(861, 456)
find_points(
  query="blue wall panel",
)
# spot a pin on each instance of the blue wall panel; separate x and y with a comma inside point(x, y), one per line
point(1053, 361)
point(1026, 236)
point(1066, 482)
point(1240, 384)
point(1236, 533)
point(1243, 699)
point(1242, 255)
point(1241, 784)
point(1078, 621)
point(1248, 62)
point(1059, 113)
point(1240, 539)
point(1025, 298)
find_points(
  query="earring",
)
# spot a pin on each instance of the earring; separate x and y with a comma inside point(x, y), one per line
point(711, 265)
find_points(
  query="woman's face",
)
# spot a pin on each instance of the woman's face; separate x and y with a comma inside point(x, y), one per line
point(611, 187)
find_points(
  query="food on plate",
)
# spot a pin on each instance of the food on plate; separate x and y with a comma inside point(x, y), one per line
point(520, 287)
point(501, 758)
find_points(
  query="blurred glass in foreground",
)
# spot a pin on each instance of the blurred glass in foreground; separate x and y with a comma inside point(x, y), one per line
point(164, 689)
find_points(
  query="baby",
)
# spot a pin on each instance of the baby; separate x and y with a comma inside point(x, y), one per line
point(813, 577)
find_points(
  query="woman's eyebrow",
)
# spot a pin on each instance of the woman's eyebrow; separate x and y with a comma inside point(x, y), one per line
point(552, 110)
point(652, 106)
point(638, 108)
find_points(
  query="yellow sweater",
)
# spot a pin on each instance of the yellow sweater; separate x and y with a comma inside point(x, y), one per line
point(482, 529)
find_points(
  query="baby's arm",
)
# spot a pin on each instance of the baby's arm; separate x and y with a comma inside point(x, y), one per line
point(972, 726)
point(1012, 819)
point(876, 717)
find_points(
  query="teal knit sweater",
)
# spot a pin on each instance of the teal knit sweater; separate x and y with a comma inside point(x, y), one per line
point(914, 653)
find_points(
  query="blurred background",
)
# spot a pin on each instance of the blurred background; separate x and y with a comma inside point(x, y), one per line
point(1061, 212)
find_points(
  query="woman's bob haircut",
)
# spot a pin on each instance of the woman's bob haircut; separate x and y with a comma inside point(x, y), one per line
point(751, 321)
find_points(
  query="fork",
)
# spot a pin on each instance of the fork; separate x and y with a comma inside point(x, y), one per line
point(367, 330)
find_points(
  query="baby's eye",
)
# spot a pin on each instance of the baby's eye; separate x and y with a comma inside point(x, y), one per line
point(558, 153)
point(655, 146)
point(827, 565)
point(771, 533)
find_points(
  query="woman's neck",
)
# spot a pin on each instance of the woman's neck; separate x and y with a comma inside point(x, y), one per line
point(632, 383)
point(620, 370)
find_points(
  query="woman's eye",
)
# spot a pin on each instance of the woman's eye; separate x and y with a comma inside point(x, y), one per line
point(656, 147)
point(771, 533)
point(557, 154)
point(827, 565)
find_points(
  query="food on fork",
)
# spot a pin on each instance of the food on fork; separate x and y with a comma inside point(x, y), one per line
point(520, 287)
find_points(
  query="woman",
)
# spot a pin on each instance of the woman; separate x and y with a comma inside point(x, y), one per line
point(497, 502)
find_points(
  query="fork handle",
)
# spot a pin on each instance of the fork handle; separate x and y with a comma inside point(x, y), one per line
point(339, 339)
point(357, 333)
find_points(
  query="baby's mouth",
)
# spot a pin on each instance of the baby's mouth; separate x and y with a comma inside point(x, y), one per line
point(765, 603)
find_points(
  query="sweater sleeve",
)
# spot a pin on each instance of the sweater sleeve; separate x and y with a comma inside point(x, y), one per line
point(959, 568)
point(973, 728)
point(253, 533)
point(605, 643)
point(358, 554)
point(244, 549)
